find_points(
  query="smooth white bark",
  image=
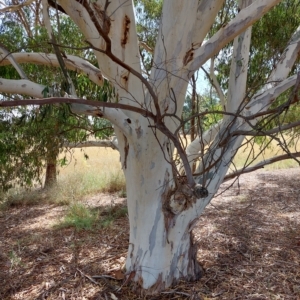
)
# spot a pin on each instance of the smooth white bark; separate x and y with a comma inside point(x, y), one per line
point(239, 69)
point(21, 86)
point(206, 13)
point(120, 25)
point(72, 62)
point(159, 247)
point(261, 101)
point(197, 147)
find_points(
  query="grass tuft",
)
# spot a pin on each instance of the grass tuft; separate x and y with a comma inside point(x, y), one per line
point(80, 217)
point(83, 218)
point(14, 259)
point(109, 215)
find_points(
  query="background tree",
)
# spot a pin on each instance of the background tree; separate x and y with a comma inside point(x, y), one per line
point(163, 204)
point(35, 137)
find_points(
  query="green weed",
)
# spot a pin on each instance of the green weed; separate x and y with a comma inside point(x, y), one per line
point(14, 259)
point(83, 218)
point(80, 217)
point(109, 215)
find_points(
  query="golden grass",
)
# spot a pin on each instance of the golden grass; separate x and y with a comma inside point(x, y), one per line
point(101, 172)
point(249, 155)
point(102, 160)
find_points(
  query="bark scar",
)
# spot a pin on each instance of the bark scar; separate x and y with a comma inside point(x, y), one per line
point(131, 252)
point(125, 78)
point(126, 27)
point(188, 57)
point(126, 150)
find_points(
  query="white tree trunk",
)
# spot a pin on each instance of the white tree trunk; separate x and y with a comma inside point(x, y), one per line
point(160, 245)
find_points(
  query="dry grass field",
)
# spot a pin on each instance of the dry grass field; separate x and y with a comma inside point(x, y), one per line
point(105, 162)
point(252, 154)
point(101, 172)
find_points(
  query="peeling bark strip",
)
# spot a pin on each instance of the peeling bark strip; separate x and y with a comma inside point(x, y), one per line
point(126, 28)
point(126, 150)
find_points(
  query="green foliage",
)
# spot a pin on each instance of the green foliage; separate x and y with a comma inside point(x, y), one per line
point(269, 37)
point(285, 115)
point(148, 17)
point(205, 114)
point(29, 137)
point(110, 214)
point(83, 218)
point(36, 136)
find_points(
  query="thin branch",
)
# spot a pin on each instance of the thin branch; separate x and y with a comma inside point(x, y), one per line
point(215, 83)
point(95, 104)
point(261, 164)
point(12, 8)
point(72, 62)
point(260, 132)
point(146, 47)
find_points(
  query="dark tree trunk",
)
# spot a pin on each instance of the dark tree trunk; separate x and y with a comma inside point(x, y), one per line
point(51, 170)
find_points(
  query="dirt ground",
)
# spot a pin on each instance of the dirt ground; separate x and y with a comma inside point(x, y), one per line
point(249, 246)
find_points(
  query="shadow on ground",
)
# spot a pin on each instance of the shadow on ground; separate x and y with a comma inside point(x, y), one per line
point(249, 245)
point(249, 240)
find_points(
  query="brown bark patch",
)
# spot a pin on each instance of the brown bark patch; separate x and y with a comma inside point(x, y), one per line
point(97, 113)
point(139, 132)
point(126, 150)
point(157, 287)
point(195, 269)
point(126, 27)
point(188, 57)
point(124, 80)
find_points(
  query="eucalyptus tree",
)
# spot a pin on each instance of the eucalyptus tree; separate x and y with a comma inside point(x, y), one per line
point(163, 204)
